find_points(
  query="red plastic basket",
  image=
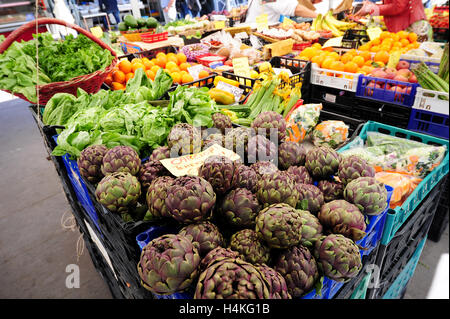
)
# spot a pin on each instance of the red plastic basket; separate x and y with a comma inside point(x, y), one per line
point(206, 62)
point(154, 37)
point(90, 83)
point(301, 46)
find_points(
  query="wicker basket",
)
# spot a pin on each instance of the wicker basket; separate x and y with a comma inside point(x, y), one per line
point(90, 83)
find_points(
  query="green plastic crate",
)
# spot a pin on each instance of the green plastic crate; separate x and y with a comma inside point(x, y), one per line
point(396, 217)
point(361, 290)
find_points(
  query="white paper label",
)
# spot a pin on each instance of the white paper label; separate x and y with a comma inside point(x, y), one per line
point(431, 103)
point(279, 70)
point(330, 98)
point(237, 92)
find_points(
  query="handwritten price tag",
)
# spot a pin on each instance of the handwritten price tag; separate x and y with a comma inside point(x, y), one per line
point(374, 33)
point(97, 32)
point(261, 22)
point(220, 24)
point(241, 67)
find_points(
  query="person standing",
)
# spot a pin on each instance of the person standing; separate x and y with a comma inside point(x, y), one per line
point(207, 7)
point(195, 7)
point(110, 7)
point(169, 10)
point(182, 8)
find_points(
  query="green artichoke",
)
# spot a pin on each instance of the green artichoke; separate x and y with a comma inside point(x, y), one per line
point(352, 167)
point(249, 247)
point(149, 171)
point(118, 192)
point(341, 217)
point(277, 188)
point(220, 172)
point(322, 162)
point(299, 268)
point(263, 168)
point(217, 254)
point(221, 122)
point(338, 257)
point(239, 208)
point(156, 196)
point(190, 199)
point(211, 139)
point(90, 162)
point(311, 228)
point(279, 225)
point(231, 278)
point(259, 148)
point(269, 121)
point(160, 153)
point(184, 139)
point(205, 236)
point(168, 264)
point(310, 198)
point(275, 281)
point(121, 159)
point(290, 154)
point(300, 175)
point(368, 194)
point(331, 190)
point(246, 177)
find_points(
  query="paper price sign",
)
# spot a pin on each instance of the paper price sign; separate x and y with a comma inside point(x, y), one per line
point(261, 22)
point(220, 24)
point(374, 33)
point(195, 70)
point(241, 67)
point(97, 32)
point(279, 70)
point(287, 22)
point(237, 92)
point(333, 42)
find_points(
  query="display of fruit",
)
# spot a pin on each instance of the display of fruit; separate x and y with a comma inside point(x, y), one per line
point(338, 257)
point(260, 149)
point(149, 171)
point(121, 159)
point(250, 247)
point(246, 177)
point(118, 191)
point(275, 281)
point(279, 225)
point(90, 162)
point(341, 217)
point(217, 254)
point(310, 198)
point(311, 229)
point(270, 123)
point(220, 172)
point(290, 154)
point(264, 167)
point(322, 162)
point(190, 199)
point(204, 235)
point(352, 167)
point(159, 153)
point(331, 190)
point(215, 138)
point(231, 278)
point(299, 268)
point(300, 175)
point(168, 264)
point(368, 194)
point(221, 122)
point(184, 139)
point(276, 188)
point(239, 208)
point(156, 196)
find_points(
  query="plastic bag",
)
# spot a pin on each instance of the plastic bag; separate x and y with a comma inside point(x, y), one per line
point(302, 120)
point(402, 184)
point(331, 133)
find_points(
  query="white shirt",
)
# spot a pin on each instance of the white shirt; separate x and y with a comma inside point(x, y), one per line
point(273, 9)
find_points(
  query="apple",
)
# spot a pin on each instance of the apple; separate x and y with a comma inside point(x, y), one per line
point(404, 72)
point(375, 70)
point(412, 78)
point(400, 78)
point(402, 65)
point(390, 73)
point(379, 74)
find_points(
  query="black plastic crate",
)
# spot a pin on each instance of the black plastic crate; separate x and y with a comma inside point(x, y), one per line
point(441, 217)
point(358, 35)
point(440, 34)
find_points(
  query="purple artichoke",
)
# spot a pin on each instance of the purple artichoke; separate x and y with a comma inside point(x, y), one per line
point(264, 167)
point(121, 159)
point(322, 162)
point(212, 139)
point(246, 177)
point(149, 171)
point(217, 254)
point(269, 121)
point(90, 162)
point(221, 122)
point(368, 194)
point(184, 139)
point(277, 188)
point(156, 196)
point(249, 247)
point(310, 198)
point(220, 172)
point(261, 149)
point(239, 208)
point(205, 236)
point(311, 228)
point(353, 167)
point(290, 154)
point(300, 175)
point(331, 190)
point(160, 153)
point(275, 281)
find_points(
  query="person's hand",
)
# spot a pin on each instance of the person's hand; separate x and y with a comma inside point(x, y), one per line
point(368, 8)
point(166, 9)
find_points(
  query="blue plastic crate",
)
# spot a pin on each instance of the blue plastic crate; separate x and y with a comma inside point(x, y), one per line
point(366, 90)
point(433, 66)
point(398, 286)
point(396, 217)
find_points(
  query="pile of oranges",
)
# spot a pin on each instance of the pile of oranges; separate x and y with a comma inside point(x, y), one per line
point(175, 64)
point(389, 41)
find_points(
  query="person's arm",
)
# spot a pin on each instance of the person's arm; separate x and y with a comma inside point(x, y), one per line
point(304, 12)
point(169, 5)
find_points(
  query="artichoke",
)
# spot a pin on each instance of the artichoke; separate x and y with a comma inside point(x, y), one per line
point(249, 247)
point(205, 236)
point(269, 121)
point(184, 139)
point(290, 154)
point(264, 167)
point(310, 197)
point(239, 208)
point(277, 188)
point(338, 257)
point(352, 167)
point(341, 217)
point(211, 139)
point(159, 153)
point(236, 140)
point(275, 281)
point(279, 225)
point(261, 149)
point(311, 228)
point(190, 199)
point(168, 264)
point(218, 253)
point(322, 162)
point(246, 177)
point(331, 190)
point(368, 194)
point(299, 269)
point(90, 162)
point(221, 122)
point(220, 172)
point(121, 159)
point(149, 171)
point(156, 196)
point(118, 191)
point(300, 175)
point(231, 278)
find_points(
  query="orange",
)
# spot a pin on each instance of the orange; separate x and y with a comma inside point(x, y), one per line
point(375, 48)
point(183, 72)
point(136, 60)
point(416, 45)
point(304, 58)
point(367, 69)
point(170, 54)
point(161, 54)
point(412, 37)
point(203, 74)
point(352, 52)
point(155, 69)
point(385, 48)
point(170, 65)
point(327, 63)
point(161, 61)
point(109, 79)
point(172, 58)
point(317, 45)
point(136, 66)
point(184, 66)
point(403, 34)
point(118, 76)
point(176, 77)
point(318, 59)
point(150, 74)
point(368, 62)
point(174, 69)
point(381, 56)
point(181, 58)
point(404, 42)
point(359, 60)
point(186, 78)
point(380, 64)
point(153, 61)
point(351, 67)
point(395, 37)
point(366, 55)
point(364, 47)
point(125, 66)
point(334, 55)
point(310, 52)
point(337, 66)
point(376, 41)
point(117, 86)
point(385, 35)
point(147, 64)
point(346, 57)
point(129, 76)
